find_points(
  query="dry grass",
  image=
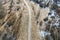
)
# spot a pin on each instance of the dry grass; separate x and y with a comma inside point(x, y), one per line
point(16, 21)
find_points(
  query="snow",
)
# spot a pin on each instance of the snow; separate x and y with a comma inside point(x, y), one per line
point(58, 5)
point(44, 33)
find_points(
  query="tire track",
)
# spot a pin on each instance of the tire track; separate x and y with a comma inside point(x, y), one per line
point(29, 23)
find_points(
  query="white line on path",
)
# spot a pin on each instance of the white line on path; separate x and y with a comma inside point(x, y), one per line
point(29, 24)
